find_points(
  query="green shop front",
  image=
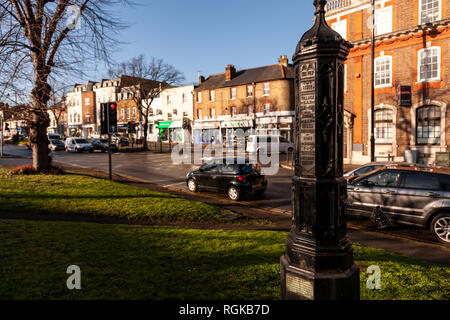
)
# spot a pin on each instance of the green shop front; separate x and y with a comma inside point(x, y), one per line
point(170, 131)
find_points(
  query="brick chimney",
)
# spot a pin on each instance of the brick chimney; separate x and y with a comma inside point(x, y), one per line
point(201, 79)
point(283, 61)
point(230, 72)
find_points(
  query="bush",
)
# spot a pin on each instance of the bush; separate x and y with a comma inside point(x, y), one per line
point(29, 170)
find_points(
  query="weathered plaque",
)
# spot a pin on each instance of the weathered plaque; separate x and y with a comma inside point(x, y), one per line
point(307, 86)
point(299, 286)
point(307, 70)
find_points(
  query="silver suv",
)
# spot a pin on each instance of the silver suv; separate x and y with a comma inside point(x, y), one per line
point(408, 195)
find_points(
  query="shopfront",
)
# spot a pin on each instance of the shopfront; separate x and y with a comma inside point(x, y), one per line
point(171, 131)
point(206, 132)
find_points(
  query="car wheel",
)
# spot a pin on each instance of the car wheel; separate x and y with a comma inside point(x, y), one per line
point(440, 227)
point(67, 149)
point(233, 193)
point(192, 185)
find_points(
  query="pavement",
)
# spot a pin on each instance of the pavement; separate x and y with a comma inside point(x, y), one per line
point(156, 171)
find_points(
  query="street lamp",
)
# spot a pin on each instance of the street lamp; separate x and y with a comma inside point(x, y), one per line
point(372, 90)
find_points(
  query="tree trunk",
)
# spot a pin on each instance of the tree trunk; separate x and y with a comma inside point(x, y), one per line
point(41, 120)
point(145, 146)
point(39, 143)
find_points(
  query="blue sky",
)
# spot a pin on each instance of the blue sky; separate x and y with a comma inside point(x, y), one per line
point(206, 35)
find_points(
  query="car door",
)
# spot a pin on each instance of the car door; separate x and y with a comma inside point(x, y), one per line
point(376, 190)
point(416, 191)
point(207, 176)
point(228, 173)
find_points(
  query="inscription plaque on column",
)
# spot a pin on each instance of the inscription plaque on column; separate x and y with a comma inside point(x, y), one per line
point(307, 118)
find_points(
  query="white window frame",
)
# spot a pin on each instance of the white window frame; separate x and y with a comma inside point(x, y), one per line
point(386, 85)
point(199, 114)
point(266, 105)
point(439, 13)
point(212, 95)
point(133, 113)
point(419, 55)
point(212, 113)
point(232, 93)
point(199, 97)
point(266, 89)
point(249, 92)
point(383, 23)
point(340, 27)
point(345, 78)
point(122, 114)
point(87, 101)
point(128, 114)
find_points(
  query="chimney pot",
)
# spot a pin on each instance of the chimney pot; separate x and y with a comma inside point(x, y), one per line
point(283, 61)
point(201, 79)
point(230, 72)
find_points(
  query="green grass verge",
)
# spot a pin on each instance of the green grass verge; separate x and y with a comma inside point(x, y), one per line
point(138, 262)
point(73, 194)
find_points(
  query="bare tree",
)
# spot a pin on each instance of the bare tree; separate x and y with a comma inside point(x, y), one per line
point(41, 39)
point(57, 104)
point(152, 78)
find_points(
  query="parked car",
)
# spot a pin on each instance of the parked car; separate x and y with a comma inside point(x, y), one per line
point(234, 177)
point(260, 143)
point(120, 140)
point(102, 145)
point(78, 145)
point(364, 169)
point(407, 194)
point(56, 145)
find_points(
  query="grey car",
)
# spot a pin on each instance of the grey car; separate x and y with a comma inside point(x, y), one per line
point(415, 196)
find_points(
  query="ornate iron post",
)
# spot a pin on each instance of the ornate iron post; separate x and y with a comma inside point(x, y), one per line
point(318, 263)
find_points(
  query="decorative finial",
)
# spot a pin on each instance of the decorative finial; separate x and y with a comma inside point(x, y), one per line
point(320, 6)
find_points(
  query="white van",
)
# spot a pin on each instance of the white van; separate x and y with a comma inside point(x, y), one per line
point(78, 145)
point(257, 143)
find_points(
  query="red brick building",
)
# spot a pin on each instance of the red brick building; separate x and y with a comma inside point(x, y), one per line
point(412, 53)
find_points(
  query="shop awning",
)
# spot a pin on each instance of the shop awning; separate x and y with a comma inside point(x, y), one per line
point(164, 124)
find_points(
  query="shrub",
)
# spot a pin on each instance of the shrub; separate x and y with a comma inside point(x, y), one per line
point(29, 170)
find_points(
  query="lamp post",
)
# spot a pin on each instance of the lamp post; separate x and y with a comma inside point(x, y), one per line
point(318, 263)
point(372, 90)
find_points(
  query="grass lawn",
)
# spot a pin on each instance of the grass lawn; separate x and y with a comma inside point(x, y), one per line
point(73, 194)
point(142, 262)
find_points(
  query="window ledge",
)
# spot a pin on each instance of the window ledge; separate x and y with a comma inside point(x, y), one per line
point(384, 86)
point(428, 81)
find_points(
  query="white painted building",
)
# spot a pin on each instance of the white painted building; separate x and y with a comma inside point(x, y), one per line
point(173, 114)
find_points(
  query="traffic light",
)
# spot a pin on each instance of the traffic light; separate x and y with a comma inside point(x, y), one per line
point(133, 127)
point(112, 107)
point(108, 110)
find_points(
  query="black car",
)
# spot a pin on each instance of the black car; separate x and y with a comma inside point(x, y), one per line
point(233, 176)
point(56, 145)
point(102, 145)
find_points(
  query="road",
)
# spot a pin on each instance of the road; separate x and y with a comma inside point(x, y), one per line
point(158, 168)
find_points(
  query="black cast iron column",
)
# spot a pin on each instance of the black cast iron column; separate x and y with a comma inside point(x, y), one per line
point(318, 263)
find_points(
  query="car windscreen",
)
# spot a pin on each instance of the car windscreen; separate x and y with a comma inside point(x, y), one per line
point(103, 141)
point(56, 141)
point(81, 141)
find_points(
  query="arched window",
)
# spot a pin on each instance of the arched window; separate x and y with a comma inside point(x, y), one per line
point(429, 125)
point(384, 126)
